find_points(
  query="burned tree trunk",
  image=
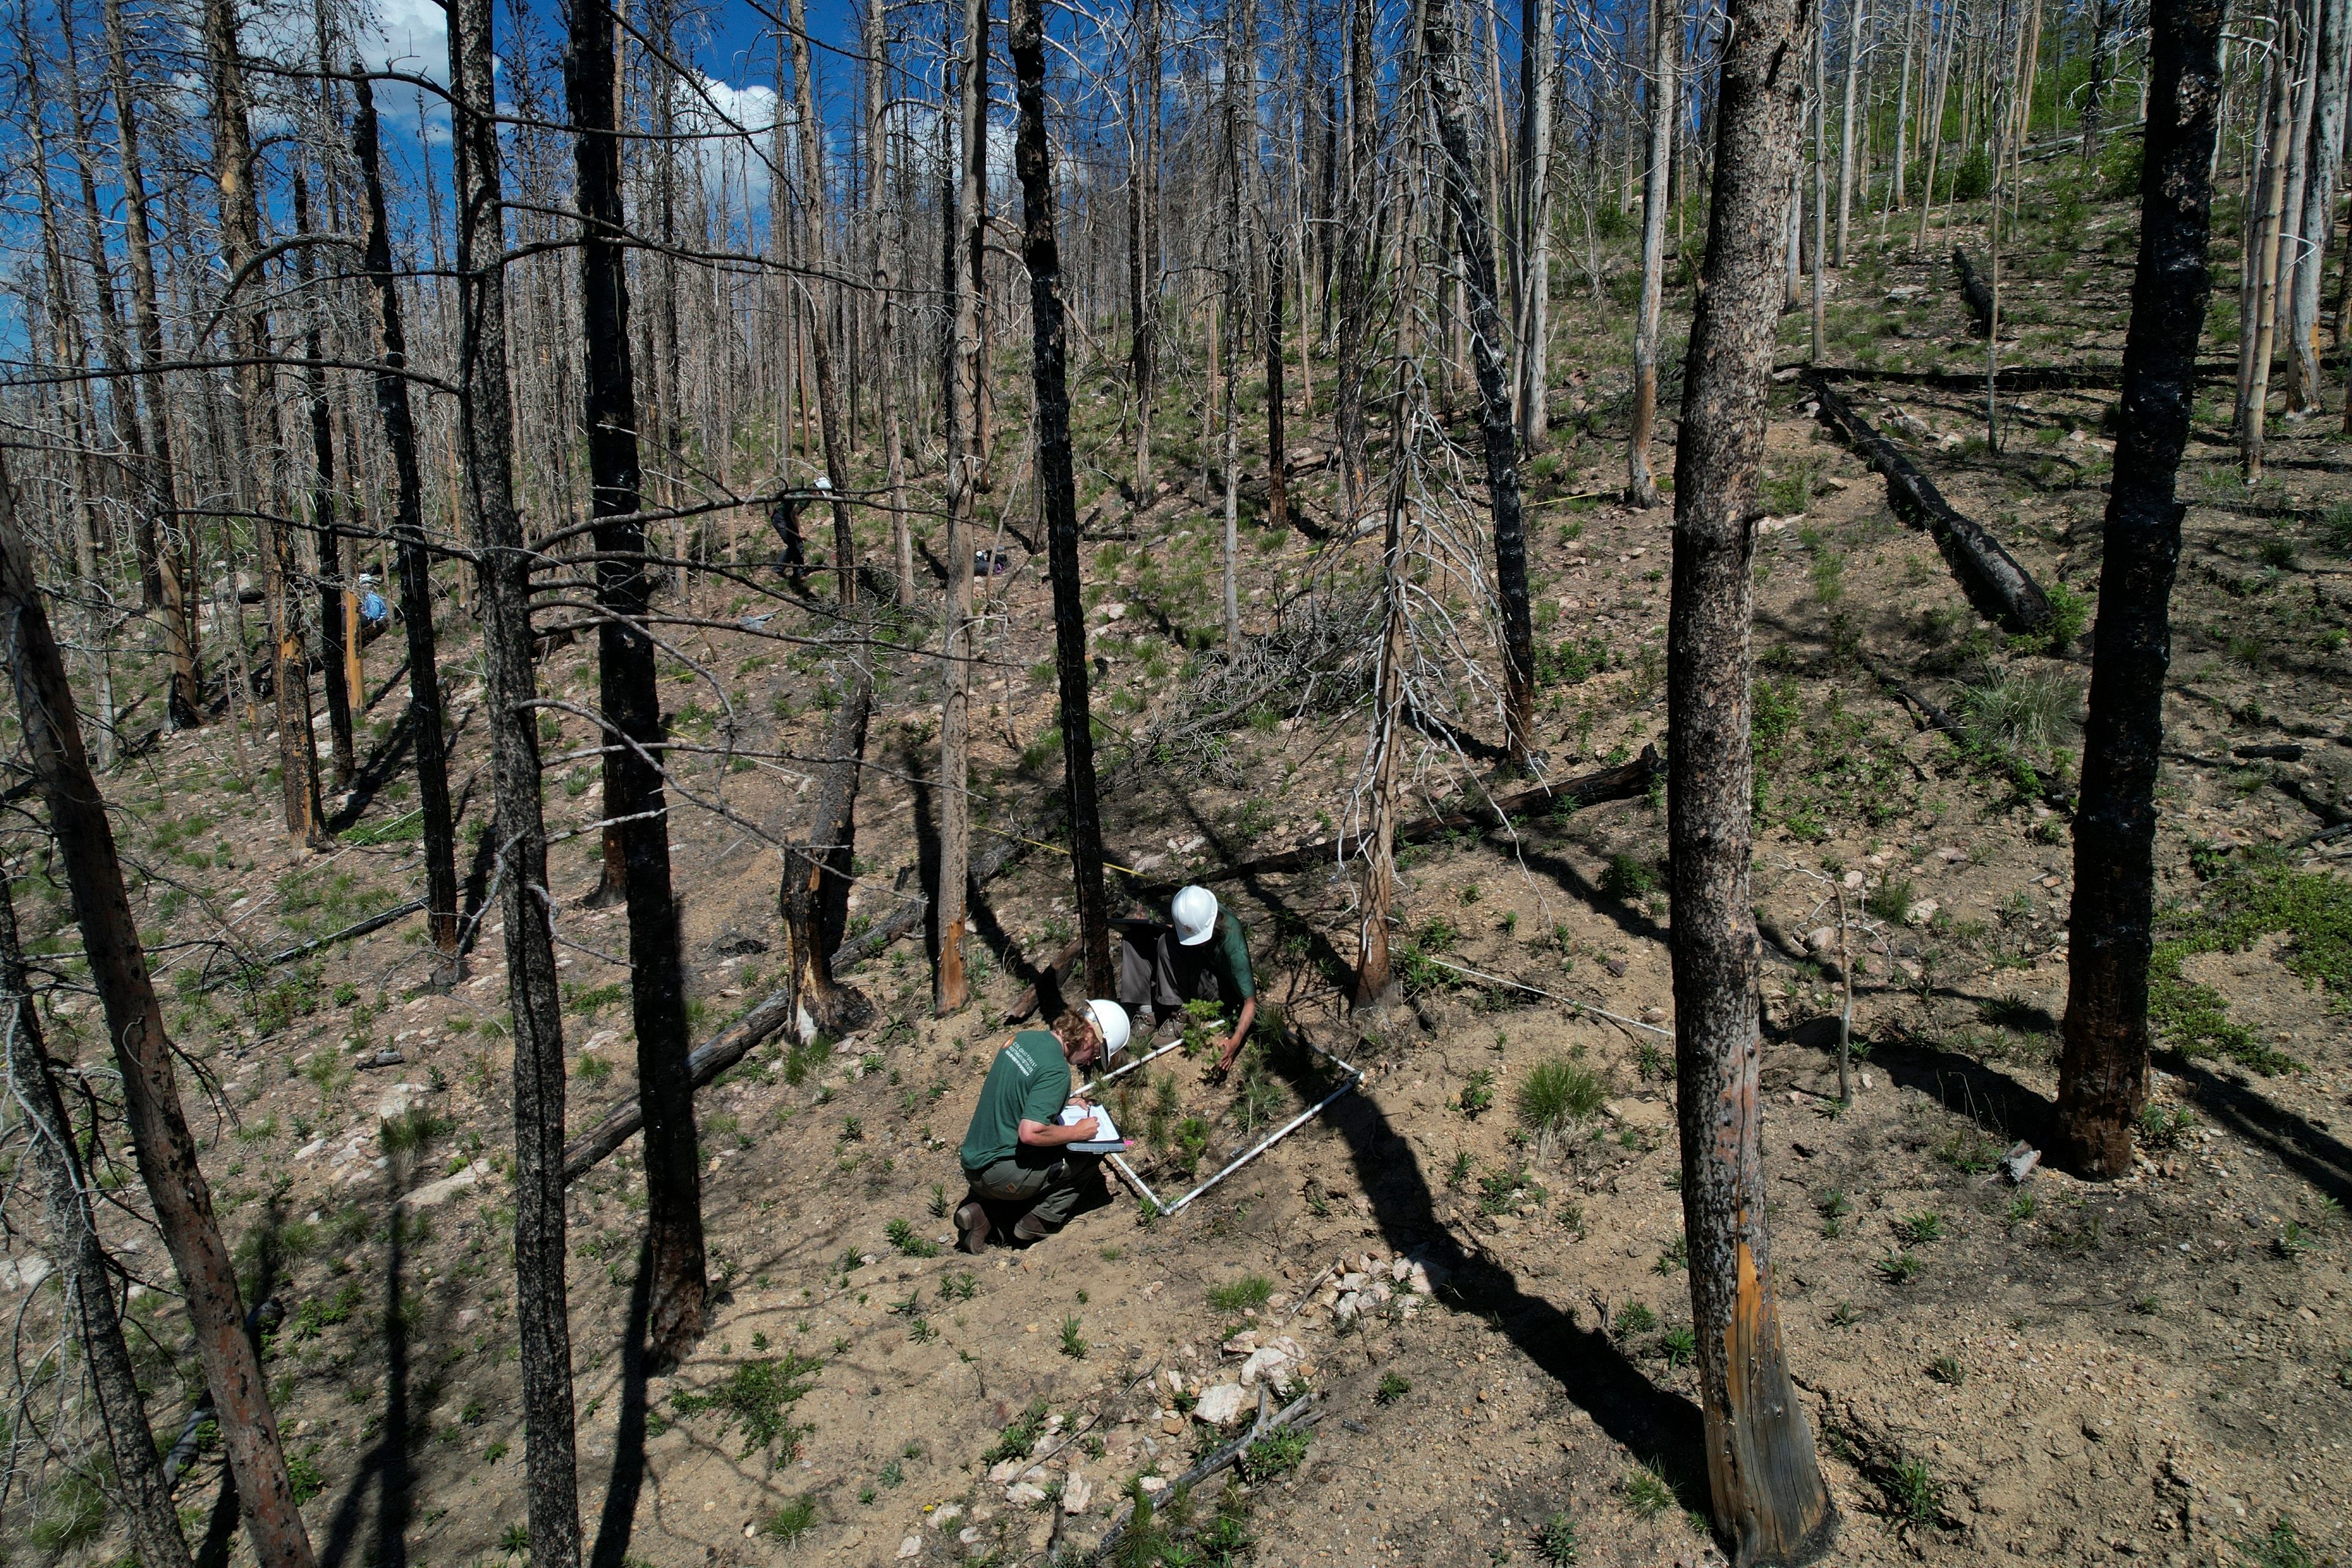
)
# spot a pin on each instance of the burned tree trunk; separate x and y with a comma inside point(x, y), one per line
point(1666, 36)
point(169, 558)
point(322, 499)
point(424, 725)
point(1770, 1504)
point(1278, 495)
point(134, 1021)
point(631, 700)
point(1357, 260)
point(240, 234)
point(485, 431)
point(1973, 292)
point(831, 427)
point(2103, 1068)
point(1057, 488)
point(1996, 586)
point(1498, 434)
point(1375, 982)
point(152, 1525)
point(950, 989)
point(812, 898)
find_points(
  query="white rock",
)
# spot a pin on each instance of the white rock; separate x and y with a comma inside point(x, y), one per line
point(948, 1513)
point(1380, 1291)
point(1354, 1281)
point(399, 1100)
point(1155, 1483)
point(1025, 1494)
point(312, 1147)
point(910, 1547)
point(1401, 1270)
point(1223, 1406)
point(1271, 1366)
point(969, 1535)
point(1005, 1470)
point(1820, 939)
point(1242, 1344)
point(447, 1187)
point(23, 1273)
point(1347, 1307)
point(1077, 1493)
point(1920, 913)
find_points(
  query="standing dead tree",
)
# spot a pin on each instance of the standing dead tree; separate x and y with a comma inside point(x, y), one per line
point(636, 807)
point(134, 1021)
point(1057, 488)
point(1473, 239)
point(146, 1498)
point(426, 727)
point(486, 438)
point(812, 898)
point(966, 452)
point(1770, 1503)
point(1665, 25)
point(2103, 1068)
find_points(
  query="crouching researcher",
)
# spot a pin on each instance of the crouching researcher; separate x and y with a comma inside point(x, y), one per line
point(1016, 1157)
point(1203, 957)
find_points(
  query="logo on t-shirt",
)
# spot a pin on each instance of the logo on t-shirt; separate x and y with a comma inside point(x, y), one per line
point(1021, 1060)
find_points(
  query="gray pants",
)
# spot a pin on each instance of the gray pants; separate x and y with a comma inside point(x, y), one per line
point(1046, 1193)
point(1157, 972)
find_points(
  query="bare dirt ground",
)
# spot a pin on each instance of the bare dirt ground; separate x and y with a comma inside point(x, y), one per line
point(2156, 1369)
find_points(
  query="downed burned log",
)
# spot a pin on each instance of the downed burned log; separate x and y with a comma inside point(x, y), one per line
point(1973, 290)
point(1619, 782)
point(729, 1046)
point(1998, 589)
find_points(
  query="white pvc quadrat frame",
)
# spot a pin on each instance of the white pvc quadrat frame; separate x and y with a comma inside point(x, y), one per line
point(1355, 1078)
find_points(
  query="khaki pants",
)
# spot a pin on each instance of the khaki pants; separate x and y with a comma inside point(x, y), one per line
point(1048, 1193)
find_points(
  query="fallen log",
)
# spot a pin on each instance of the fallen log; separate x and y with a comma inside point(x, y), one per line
point(1297, 1412)
point(1619, 782)
point(1998, 589)
point(729, 1046)
point(1973, 290)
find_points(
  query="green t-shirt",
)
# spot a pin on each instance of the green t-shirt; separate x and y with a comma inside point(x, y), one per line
point(1229, 955)
point(1029, 1080)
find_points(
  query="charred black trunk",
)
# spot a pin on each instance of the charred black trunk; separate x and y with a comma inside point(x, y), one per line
point(634, 796)
point(1498, 432)
point(1041, 249)
point(484, 428)
point(425, 730)
point(2103, 1070)
point(814, 896)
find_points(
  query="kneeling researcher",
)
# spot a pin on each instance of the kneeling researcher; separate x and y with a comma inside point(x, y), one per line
point(1015, 1155)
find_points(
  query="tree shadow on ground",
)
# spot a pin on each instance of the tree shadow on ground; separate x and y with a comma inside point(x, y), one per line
point(386, 1471)
point(626, 1481)
point(2318, 1158)
point(383, 765)
point(1657, 1425)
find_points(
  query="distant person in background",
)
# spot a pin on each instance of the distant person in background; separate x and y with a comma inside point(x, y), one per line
point(1203, 957)
point(376, 615)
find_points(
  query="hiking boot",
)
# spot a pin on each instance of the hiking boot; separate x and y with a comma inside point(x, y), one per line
point(972, 1228)
point(1030, 1228)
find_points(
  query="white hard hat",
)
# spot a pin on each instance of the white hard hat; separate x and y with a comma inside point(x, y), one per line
point(1111, 1019)
point(824, 483)
point(1195, 910)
